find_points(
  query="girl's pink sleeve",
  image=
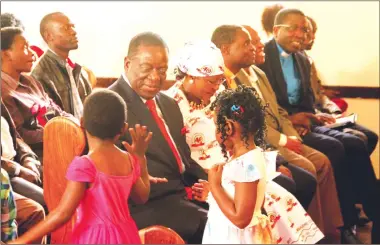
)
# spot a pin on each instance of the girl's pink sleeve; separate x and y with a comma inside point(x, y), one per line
point(81, 170)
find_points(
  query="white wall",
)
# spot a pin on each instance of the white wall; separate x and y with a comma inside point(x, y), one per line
point(346, 50)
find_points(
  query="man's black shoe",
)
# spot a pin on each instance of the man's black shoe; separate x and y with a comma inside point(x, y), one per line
point(348, 237)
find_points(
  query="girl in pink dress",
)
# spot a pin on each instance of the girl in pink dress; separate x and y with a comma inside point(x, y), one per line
point(100, 183)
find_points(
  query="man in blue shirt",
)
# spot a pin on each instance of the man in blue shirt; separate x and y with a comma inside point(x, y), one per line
point(289, 74)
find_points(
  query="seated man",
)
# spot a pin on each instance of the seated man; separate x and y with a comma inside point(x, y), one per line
point(66, 83)
point(168, 154)
point(29, 106)
point(20, 161)
point(324, 104)
point(326, 98)
point(288, 72)
point(9, 20)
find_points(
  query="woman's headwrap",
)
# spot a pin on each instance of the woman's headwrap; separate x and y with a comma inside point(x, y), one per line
point(200, 59)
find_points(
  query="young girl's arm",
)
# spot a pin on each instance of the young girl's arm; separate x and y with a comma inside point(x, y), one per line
point(240, 209)
point(71, 198)
point(140, 140)
point(141, 188)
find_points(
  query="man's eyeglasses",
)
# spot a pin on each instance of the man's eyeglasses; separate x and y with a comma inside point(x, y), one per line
point(293, 28)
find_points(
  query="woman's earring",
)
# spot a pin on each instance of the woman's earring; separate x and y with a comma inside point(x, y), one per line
point(191, 81)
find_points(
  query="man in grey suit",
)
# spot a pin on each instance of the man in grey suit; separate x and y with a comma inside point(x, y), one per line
point(168, 155)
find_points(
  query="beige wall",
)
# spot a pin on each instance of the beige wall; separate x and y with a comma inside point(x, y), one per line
point(346, 50)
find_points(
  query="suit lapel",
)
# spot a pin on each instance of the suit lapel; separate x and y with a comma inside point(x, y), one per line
point(279, 75)
point(161, 103)
point(263, 89)
point(301, 75)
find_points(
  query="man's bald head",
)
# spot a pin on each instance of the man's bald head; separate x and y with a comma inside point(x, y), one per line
point(256, 41)
point(47, 20)
point(249, 29)
point(58, 32)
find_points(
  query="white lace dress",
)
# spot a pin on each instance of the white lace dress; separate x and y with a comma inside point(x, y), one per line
point(219, 229)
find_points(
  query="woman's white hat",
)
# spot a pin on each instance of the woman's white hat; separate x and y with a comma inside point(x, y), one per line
point(201, 58)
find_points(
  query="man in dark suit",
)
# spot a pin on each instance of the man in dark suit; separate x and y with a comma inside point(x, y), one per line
point(289, 74)
point(168, 154)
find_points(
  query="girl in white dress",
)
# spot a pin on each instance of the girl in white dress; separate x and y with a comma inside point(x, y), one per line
point(238, 187)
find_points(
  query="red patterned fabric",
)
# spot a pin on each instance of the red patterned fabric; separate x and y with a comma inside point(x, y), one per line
point(341, 103)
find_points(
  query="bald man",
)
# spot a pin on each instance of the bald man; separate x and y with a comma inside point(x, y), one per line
point(66, 83)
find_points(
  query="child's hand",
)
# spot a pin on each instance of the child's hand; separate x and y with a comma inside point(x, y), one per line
point(201, 190)
point(215, 175)
point(156, 180)
point(140, 140)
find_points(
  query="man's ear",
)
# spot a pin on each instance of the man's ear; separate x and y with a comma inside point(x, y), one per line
point(5, 55)
point(127, 63)
point(47, 36)
point(276, 30)
point(225, 49)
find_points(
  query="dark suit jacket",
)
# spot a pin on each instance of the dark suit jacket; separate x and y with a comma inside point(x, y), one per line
point(167, 204)
point(273, 71)
point(21, 148)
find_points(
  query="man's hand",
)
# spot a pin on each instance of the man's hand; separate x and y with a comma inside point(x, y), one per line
point(285, 171)
point(301, 119)
point(302, 131)
point(30, 176)
point(31, 163)
point(201, 190)
point(324, 118)
point(293, 145)
point(156, 180)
